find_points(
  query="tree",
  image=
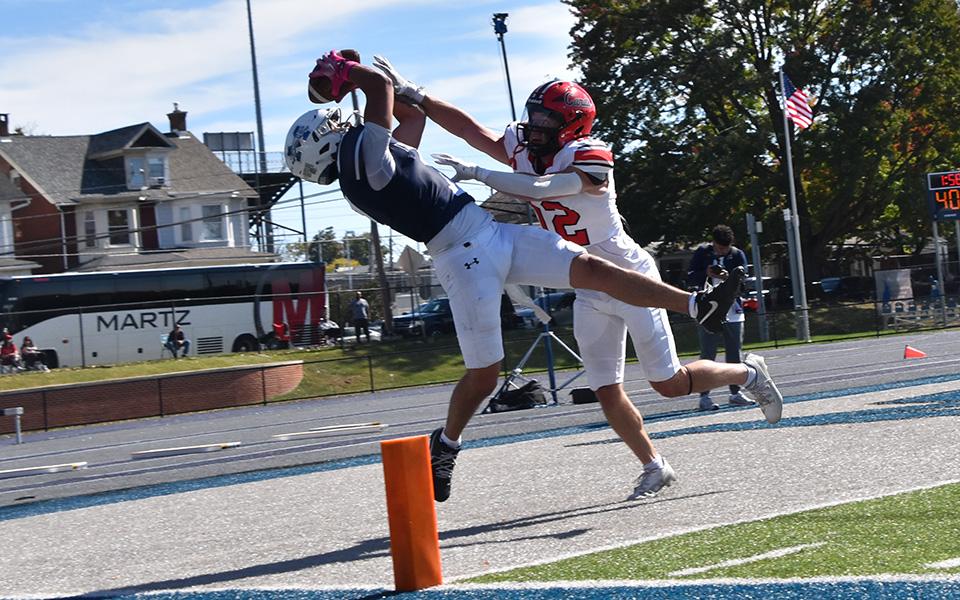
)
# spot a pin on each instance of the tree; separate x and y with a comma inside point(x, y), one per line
point(323, 244)
point(327, 246)
point(687, 94)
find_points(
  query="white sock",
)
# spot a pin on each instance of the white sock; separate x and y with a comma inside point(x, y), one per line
point(692, 305)
point(454, 444)
point(751, 375)
point(654, 464)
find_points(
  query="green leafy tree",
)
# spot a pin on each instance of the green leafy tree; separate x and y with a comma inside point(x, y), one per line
point(687, 93)
point(324, 244)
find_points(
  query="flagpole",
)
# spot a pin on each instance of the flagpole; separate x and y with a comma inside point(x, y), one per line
point(804, 332)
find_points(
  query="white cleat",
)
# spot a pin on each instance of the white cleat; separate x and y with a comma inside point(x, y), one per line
point(763, 390)
point(652, 481)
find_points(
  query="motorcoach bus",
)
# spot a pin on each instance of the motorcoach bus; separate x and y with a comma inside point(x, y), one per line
point(82, 319)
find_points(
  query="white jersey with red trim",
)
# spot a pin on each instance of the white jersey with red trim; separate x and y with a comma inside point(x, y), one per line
point(592, 220)
point(583, 218)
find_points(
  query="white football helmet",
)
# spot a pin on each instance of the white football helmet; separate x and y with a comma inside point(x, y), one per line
point(311, 147)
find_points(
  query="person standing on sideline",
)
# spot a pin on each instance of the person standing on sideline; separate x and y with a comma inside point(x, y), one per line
point(567, 177)
point(711, 264)
point(361, 316)
point(177, 340)
point(383, 176)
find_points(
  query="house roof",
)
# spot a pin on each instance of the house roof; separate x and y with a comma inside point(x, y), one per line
point(507, 209)
point(76, 169)
point(8, 191)
point(14, 267)
point(177, 258)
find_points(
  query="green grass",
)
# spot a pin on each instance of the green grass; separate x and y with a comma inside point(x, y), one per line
point(898, 534)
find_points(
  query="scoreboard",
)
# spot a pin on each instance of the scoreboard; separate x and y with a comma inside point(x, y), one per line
point(943, 195)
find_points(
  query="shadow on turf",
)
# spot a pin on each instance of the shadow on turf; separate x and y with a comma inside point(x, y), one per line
point(380, 548)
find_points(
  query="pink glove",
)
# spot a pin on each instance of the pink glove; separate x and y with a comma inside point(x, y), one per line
point(336, 67)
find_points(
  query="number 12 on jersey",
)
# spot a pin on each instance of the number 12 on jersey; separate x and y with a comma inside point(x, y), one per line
point(563, 220)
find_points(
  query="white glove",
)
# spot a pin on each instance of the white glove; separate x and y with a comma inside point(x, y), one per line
point(464, 170)
point(401, 87)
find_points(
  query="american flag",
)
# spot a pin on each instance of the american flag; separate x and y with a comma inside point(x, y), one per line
point(798, 104)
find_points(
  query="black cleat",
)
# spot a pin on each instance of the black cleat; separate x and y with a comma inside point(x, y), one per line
point(442, 460)
point(714, 303)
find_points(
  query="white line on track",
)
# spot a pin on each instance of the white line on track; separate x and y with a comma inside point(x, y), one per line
point(331, 429)
point(184, 450)
point(41, 470)
point(743, 561)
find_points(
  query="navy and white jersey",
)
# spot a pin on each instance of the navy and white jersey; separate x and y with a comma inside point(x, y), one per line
point(418, 201)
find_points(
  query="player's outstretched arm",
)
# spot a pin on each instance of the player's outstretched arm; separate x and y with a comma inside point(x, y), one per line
point(446, 115)
point(461, 124)
point(521, 185)
point(411, 120)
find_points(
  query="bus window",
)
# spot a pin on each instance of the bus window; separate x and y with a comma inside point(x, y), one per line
point(184, 285)
point(87, 290)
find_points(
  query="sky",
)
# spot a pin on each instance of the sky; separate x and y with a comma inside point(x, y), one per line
point(78, 67)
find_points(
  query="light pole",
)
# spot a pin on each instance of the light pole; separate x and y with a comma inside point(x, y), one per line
point(256, 102)
point(500, 28)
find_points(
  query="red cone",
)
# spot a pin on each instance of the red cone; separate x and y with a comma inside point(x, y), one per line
point(911, 352)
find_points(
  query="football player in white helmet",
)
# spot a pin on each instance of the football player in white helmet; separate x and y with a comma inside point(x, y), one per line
point(384, 178)
point(567, 177)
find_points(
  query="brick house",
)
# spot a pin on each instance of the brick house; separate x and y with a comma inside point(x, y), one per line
point(130, 198)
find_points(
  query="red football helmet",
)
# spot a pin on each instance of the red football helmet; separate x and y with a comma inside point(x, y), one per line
point(568, 104)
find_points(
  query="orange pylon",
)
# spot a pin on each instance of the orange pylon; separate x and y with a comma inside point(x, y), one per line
point(414, 540)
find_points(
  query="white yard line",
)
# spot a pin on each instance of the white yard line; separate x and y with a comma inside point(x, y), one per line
point(743, 561)
point(945, 564)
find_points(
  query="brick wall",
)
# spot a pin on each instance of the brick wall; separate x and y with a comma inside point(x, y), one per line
point(140, 397)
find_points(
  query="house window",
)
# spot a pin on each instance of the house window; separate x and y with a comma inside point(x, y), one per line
point(212, 221)
point(146, 171)
point(157, 168)
point(118, 226)
point(136, 173)
point(90, 229)
point(186, 227)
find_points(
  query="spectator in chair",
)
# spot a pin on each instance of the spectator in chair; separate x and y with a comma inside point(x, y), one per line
point(177, 340)
point(33, 358)
point(10, 355)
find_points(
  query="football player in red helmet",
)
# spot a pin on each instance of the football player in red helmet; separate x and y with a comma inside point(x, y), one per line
point(556, 113)
point(567, 178)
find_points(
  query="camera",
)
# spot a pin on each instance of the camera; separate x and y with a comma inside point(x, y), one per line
point(715, 270)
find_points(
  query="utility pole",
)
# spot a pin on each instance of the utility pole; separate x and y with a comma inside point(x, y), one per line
point(256, 101)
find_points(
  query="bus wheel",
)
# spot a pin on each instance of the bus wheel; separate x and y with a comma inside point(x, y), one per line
point(245, 343)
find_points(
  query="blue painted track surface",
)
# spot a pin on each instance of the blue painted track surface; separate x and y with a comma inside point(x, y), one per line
point(837, 590)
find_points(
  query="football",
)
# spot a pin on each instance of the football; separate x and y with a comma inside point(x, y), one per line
point(319, 89)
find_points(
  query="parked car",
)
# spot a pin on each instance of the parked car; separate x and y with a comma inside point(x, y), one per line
point(847, 288)
point(435, 318)
point(558, 304)
point(777, 293)
point(350, 335)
